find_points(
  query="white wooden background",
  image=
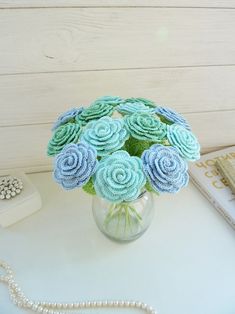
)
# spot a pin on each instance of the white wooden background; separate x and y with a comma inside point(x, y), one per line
point(55, 54)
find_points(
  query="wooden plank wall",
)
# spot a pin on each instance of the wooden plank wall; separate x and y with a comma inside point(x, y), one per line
point(56, 53)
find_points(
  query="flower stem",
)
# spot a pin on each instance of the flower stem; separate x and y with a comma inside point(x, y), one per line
point(122, 218)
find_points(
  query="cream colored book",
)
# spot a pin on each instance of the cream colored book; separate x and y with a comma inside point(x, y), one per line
point(205, 175)
point(227, 170)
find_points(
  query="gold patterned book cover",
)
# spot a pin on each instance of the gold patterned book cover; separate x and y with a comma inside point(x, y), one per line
point(206, 175)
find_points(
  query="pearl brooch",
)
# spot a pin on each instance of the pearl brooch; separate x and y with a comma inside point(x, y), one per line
point(10, 187)
point(19, 299)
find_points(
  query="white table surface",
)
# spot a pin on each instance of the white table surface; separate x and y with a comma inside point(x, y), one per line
point(184, 263)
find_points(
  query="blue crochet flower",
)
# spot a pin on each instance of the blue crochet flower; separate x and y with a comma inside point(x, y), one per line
point(171, 116)
point(68, 116)
point(184, 140)
point(106, 135)
point(75, 165)
point(119, 177)
point(132, 107)
point(110, 100)
point(165, 169)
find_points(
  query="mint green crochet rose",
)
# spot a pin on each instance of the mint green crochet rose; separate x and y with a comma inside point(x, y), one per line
point(95, 112)
point(144, 101)
point(67, 133)
point(132, 107)
point(119, 177)
point(110, 100)
point(106, 135)
point(146, 127)
point(184, 140)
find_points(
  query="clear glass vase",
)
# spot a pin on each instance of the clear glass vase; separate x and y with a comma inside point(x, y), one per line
point(126, 221)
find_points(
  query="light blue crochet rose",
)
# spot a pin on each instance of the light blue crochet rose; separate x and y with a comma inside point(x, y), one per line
point(184, 140)
point(119, 177)
point(106, 135)
point(170, 116)
point(68, 116)
point(165, 169)
point(145, 127)
point(146, 102)
point(110, 100)
point(132, 107)
point(75, 165)
point(94, 112)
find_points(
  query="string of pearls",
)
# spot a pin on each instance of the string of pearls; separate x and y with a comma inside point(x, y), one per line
point(20, 300)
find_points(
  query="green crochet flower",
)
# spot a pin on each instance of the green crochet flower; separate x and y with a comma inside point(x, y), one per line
point(95, 112)
point(109, 100)
point(67, 133)
point(146, 127)
point(184, 140)
point(106, 135)
point(132, 107)
point(144, 101)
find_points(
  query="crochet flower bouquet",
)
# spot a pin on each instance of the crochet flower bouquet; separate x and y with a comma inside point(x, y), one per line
point(117, 148)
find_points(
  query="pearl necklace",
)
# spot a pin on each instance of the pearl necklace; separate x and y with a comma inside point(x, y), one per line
point(20, 300)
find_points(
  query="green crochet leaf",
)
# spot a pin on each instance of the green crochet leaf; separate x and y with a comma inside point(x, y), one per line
point(136, 147)
point(150, 189)
point(164, 120)
point(89, 187)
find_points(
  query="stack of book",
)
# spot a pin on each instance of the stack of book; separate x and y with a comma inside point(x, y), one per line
point(214, 175)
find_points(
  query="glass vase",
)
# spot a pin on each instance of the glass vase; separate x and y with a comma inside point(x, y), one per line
point(126, 221)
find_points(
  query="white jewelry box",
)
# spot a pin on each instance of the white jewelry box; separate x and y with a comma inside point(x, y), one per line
point(24, 204)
